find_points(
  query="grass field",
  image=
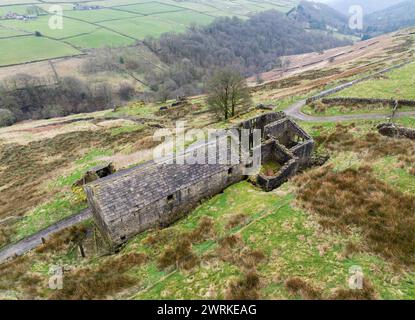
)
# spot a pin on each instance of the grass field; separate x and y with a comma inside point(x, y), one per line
point(276, 236)
point(141, 27)
point(21, 9)
point(149, 8)
point(120, 22)
point(100, 38)
point(11, 2)
point(186, 17)
point(99, 15)
point(7, 33)
point(70, 27)
point(15, 50)
point(398, 84)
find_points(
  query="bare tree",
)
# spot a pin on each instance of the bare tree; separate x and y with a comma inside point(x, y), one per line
point(227, 93)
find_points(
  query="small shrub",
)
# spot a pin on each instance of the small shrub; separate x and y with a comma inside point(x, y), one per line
point(160, 237)
point(99, 282)
point(205, 230)
point(233, 250)
point(62, 239)
point(236, 220)
point(126, 91)
point(251, 258)
point(350, 249)
point(6, 118)
point(229, 248)
point(298, 286)
point(179, 255)
point(319, 106)
point(368, 292)
point(246, 288)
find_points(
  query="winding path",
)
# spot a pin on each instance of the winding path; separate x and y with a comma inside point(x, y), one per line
point(31, 242)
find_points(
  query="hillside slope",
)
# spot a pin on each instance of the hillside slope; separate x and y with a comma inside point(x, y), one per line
point(399, 16)
point(320, 16)
point(298, 242)
point(369, 6)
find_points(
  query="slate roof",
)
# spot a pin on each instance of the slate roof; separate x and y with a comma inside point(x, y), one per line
point(130, 190)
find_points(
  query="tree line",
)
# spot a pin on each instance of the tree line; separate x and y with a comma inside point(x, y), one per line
point(26, 97)
point(251, 46)
point(190, 60)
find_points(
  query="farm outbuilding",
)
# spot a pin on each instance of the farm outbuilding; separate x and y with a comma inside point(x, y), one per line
point(155, 194)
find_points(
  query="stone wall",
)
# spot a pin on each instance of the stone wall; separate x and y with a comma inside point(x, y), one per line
point(272, 151)
point(367, 101)
point(293, 137)
point(287, 171)
point(303, 152)
point(393, 131)
point(261, 121)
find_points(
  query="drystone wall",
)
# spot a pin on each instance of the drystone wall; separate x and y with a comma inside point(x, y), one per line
point(272, 151)
point(367, 101)
point(391, 130)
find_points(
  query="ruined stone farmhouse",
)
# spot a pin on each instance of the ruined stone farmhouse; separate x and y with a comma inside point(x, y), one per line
point(157, 194)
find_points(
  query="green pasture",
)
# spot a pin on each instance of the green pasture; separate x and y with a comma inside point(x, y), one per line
point(116, 24)
point(186, 17)
point(5, 33)
point(100, 38)
point(141, 27)
point(70, 27)
point(397, 84)
point(99, 15)
point(31, 48)
point(150, 8)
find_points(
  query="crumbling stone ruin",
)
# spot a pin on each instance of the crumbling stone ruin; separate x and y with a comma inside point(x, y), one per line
point(394, 131)
point(157, 194)
point(283, 143)
point(96, 173)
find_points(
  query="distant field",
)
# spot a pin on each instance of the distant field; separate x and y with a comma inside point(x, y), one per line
point(16, 50)
point(21, 9)
point(150, 8)
point(100, 38)
point(119, 22)
point(70, 27)
point(186, 17)
point(6, 33)
point(99, 15)
point(6, 2)
point(141, 27)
